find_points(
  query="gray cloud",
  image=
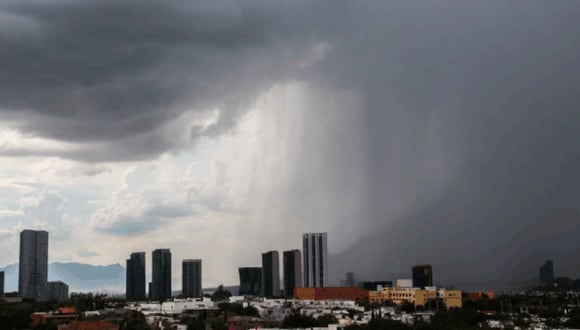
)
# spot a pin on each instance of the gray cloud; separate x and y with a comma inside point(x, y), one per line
point(465, 133)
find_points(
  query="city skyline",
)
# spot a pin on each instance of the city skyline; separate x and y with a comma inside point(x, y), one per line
point(441, 132)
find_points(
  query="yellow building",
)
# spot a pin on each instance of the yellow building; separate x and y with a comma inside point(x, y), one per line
point(453, 299)
point(418, 297)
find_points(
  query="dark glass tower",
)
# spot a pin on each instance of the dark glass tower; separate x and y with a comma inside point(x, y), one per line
point(135, 280)
point(250, 281)
point(314, 252)
point(271, 274)
point(547, 272)
point(292, 271)
point(33, 265)
point(191, 278)
point(422, 276)
point(161, 275)
point(1, 285)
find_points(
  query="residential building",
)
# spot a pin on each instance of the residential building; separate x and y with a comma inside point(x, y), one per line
point(191, 278)
point(404, 283)
point(135, 278)
point(422, 276)
point(547, 272)
point(250, 281)
point(161, 275)
point(271, 274)
point(89, 325)
point(315, 258)
point(57, 290)
point(331, 293)
point(292, 271)
point(33, 264)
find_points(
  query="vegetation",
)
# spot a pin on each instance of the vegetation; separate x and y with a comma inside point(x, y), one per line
point(221, 294)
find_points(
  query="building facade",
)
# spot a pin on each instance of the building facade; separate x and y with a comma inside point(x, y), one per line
point(547, 272)
point(135, 278)
point(422, 276)
point(33, 265)
point(161, 275)
point(191, 278)
point(57, 290)
point(271, 274)
point(292, 264)
point(331, 293)
point(315, 259)
point(250, 281)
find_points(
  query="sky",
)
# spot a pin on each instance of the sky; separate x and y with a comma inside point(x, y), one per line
point(412, 132)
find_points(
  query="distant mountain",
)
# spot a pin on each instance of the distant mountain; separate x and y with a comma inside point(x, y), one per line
point(79, 277)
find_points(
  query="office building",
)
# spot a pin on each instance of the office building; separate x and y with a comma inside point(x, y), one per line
point(191, 278)
point(271, 274)
point(250, 281)
point(161, 275)
point(315, 258)
point(1, 285)
point(292, 271)
point(57, 291)
point(135, 278)
point(422, 276)
point(33, 264)
point(547, 272)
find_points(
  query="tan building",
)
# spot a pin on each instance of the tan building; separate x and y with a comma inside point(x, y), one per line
point(453, 299)
point(418, 297)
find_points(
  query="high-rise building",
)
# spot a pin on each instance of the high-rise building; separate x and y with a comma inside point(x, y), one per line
point(315, 257)
point(271, 274)
point(57, 291)
point(250, 281)
point(422, 276)
point(547, 272)
point(161, 275)
point(33, 265)
point(191, 278)
point(2, 285)
point(135, 278)
point(292, 271)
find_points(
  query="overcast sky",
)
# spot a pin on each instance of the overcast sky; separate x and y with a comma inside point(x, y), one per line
point(443, 132)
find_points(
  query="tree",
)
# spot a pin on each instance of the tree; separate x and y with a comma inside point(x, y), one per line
point(220, 294)
point(297, 320)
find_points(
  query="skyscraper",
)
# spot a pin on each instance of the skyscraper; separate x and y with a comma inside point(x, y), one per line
point(271, 274)
point(250, 281)
point(135, 279)
point(315, 257)
point(57, 290)
point(292, 271)
point(33, 265)
point(161, 275)
point(547, 272)
point(191, 278)
point(422, 276)
point(2, 285)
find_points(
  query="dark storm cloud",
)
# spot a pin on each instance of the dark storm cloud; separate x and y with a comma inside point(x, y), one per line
point(101, 71)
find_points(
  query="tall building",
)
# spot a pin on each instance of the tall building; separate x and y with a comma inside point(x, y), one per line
point(1, 285)
point(292, 271)
point(547, 272)
point(135, 278)
point(422, 276)
point(57, 291)
point(161, 275)
point(315, 257)
point(250, 281)
point(191, 278)
point(271, 274)
point(33, 265)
